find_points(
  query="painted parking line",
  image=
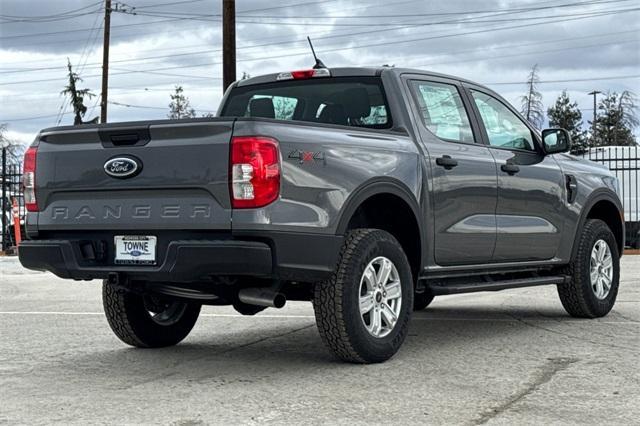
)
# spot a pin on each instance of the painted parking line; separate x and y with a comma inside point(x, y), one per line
point(263, 316)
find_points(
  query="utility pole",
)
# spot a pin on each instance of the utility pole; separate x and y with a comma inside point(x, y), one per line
point(228, 43)
point(593, 123)
point(105, 61)
point(5, 208)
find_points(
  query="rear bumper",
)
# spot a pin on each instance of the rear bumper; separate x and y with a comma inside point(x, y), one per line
point(286, 256)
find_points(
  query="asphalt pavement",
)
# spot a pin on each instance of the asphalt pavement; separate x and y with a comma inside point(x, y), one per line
point(511, 357)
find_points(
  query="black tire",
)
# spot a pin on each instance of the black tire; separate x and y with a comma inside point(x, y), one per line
point(577, 296)
point(422, 299)
point(336, 302)
point(130, 319)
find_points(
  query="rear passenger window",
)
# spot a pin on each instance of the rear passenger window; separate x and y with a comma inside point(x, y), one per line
point(442, 111)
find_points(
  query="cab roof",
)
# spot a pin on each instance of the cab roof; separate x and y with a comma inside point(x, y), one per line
point(356, 72)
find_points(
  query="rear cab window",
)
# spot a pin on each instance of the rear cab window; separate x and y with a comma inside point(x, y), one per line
point(345, 101)
point(442, 110)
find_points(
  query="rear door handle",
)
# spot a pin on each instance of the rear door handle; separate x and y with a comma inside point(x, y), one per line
point(447, 162)
point(509, 168)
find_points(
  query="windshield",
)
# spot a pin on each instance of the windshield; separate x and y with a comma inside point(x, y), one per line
point(347, 101)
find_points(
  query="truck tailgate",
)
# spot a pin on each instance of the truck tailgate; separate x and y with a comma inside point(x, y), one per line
point(182, 182)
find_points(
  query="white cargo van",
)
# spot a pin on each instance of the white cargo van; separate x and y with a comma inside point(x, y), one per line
point(624, 161)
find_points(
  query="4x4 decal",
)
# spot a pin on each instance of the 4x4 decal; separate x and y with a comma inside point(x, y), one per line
point(308, 157)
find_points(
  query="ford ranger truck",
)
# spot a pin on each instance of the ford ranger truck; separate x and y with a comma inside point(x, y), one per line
point(367, 191)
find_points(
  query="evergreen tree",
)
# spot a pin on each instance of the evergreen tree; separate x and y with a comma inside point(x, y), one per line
point(77, 96)
point(566, 115)
point(532, 107)
point(616, 120)
point(180, 106)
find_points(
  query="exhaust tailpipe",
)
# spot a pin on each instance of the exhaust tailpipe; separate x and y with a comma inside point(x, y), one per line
point(262, 297)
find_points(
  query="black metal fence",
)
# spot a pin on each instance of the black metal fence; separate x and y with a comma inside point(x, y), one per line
point(624, 161)
point(11, 193)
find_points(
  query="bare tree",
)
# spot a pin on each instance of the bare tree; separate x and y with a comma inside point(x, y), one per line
point(627, 106)
point(532, 107)
point(14, 149)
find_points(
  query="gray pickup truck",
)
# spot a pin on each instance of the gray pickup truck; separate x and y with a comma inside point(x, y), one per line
point(365, 191)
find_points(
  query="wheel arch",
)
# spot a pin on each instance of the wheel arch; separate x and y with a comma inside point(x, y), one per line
point(605, 206)
point(377, 191)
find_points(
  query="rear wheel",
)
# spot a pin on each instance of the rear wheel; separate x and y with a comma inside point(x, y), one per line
point(149, 321)
point(363, 311)
point(595, 273)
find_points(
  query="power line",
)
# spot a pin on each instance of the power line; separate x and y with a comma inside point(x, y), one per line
point(592, 14)
point(135, 106)
point(336, 49)
point(177, 19)
point(64, 105)
point(280, 19)
point(55, 15)
point(573, 80)
point(11, 120)
point(122, 104)
point(500, 12)
point(42, 20)
point(528, 53)
point(167, 4)
point(287, 6)
point(210, 51)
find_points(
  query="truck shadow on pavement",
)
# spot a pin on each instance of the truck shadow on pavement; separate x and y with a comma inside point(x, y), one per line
point(275, 346)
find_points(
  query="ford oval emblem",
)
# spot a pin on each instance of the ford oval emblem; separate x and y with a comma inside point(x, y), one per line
point(122, 167)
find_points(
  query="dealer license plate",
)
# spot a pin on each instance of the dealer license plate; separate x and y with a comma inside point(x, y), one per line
point(135, 249)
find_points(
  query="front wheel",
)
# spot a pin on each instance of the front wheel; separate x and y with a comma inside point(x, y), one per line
point(595, 273)
point(363, 311)
point(149, 321)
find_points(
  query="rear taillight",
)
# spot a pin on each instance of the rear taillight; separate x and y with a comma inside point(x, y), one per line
point(255, 171)
point(29, 179)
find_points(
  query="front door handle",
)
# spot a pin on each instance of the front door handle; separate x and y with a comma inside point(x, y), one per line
point(447, 162)
point(510, 168)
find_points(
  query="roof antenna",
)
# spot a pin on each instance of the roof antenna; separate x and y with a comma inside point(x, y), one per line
point(319, 63)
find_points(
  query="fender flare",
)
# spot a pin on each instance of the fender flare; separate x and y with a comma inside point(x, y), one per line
point(379, 186)
point(594, 198)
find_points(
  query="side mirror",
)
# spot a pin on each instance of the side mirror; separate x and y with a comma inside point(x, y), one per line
point(556, 140)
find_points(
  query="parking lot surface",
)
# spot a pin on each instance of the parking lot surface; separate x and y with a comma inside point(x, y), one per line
point(510, 357)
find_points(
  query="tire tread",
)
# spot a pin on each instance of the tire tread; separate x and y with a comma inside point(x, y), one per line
point(328, 301)
point(572, 293)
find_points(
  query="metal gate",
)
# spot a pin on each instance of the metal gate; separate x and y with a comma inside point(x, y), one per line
point(624, 161)
point(11, 182)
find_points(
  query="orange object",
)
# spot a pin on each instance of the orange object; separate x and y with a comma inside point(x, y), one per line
point(17, 229)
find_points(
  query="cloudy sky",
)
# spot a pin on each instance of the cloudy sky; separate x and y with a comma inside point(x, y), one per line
point(579, 45)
